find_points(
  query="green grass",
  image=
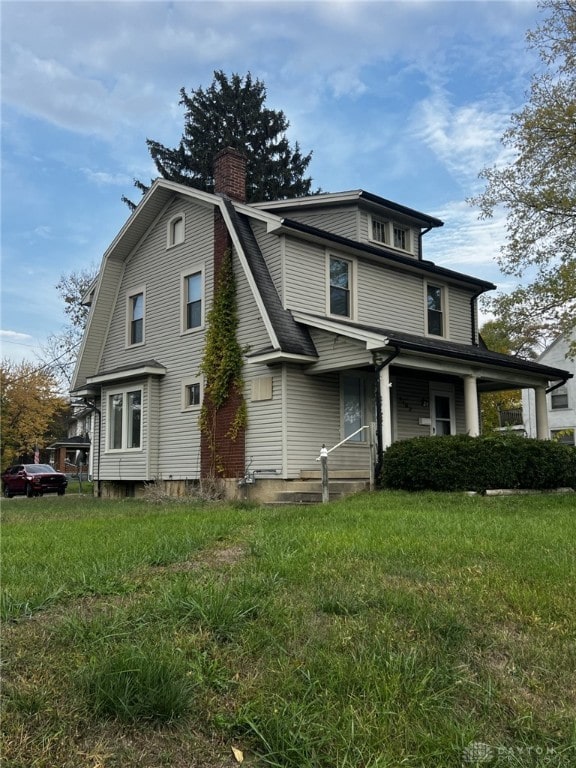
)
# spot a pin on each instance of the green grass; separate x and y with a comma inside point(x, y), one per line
point(385, 630)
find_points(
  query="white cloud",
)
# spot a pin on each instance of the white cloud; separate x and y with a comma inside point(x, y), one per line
point(14, 336)
point(104, 179)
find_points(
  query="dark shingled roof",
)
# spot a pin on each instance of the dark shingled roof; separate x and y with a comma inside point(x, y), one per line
point(293, 338)
point(441, 347)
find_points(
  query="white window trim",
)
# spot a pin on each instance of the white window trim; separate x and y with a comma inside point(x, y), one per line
point(389, 225)
point(123, 391)
point(353, 285)
point(445, 316)
point(129, 296)
point(559, 391)
point(170, 242)
point(183, 297)
point(186, 382)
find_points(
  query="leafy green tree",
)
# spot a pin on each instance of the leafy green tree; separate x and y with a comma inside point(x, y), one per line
point(31, 409)
point(231, 112)
point(500, 338)
point(537, 187)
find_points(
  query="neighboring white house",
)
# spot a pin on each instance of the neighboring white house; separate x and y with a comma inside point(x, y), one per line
point(561, 401)
point(342, 322)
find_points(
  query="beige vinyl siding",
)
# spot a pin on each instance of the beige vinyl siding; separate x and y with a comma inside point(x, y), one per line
point(263, 431)
point(338, 352)
point(97, 327)
point(313, 417)
point(305, 270)
point(408, 394)
point(338, 220)
point(160, 270)
point(459, 317)
point(387, 298)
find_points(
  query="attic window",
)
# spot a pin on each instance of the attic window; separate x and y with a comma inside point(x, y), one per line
point(401, 237)
point(176, 230)
point(379, 228)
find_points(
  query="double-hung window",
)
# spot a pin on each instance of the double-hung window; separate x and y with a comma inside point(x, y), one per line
point(125, 420)
point(340, 287)
point(192, 301)
point(435, 310)
point(559, 398)
point(135, 330)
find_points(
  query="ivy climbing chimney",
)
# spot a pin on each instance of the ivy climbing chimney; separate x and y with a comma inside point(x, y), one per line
point(223, 429)
point(230, 174)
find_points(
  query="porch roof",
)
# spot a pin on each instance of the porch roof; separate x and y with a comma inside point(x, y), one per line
point(383, 338)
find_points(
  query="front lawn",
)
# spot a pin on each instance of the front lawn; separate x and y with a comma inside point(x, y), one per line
point(386, 630)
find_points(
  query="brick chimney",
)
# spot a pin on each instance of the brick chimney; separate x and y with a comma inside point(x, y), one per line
point(230, 174)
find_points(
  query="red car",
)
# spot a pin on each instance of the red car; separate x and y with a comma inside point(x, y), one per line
point(33, 480)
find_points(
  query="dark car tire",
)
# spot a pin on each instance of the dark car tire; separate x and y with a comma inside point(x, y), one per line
point(7, 492)
point(29, 491)
point(61, 492)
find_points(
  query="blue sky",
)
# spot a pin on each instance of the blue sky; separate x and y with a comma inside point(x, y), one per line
point(407, 100)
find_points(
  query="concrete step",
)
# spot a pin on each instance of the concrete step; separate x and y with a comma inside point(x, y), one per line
point(335, 474)
point(310, 492)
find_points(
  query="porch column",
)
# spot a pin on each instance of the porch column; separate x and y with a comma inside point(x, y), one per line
point(541, 414)
point(386, 415)
point(472, 414)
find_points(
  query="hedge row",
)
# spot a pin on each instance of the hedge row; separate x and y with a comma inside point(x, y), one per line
point(462, 463)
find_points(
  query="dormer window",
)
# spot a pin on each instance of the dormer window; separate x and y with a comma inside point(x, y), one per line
point(176, 230)
point(379, 230)
point(401, 237)
point(391, 233)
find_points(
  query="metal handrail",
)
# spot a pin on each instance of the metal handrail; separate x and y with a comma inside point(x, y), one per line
point(329, 450)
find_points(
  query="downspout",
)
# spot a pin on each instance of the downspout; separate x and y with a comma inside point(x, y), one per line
point(559, 384)
point(420, 236)
point(378, 366)
point(97, 410)
point(473, 328)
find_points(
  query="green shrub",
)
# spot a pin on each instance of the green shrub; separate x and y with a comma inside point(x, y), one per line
point(462, 463)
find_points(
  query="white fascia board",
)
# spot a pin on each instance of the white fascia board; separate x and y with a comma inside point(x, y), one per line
point(269, 358)
point(133, 373)
point(249, 277)
point(305, 202)
point(372, 340)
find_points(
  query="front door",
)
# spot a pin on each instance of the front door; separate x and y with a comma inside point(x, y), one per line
point(442, 419)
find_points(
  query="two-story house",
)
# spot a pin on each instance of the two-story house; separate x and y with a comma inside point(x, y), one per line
point(342, 322)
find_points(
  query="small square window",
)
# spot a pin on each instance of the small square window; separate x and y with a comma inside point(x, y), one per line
point(565, 436)
point(191, 394)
